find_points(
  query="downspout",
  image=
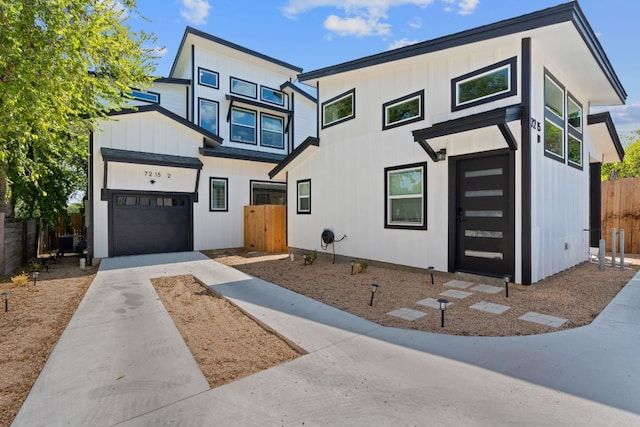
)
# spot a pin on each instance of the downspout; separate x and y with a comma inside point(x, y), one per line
point(91, 200)
point(526, 162)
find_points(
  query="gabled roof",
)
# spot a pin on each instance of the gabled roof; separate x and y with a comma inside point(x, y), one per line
point(190, 30)
point(567, 12)
point(173, 116)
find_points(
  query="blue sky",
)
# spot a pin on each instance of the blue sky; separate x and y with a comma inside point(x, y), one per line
point(312, 34)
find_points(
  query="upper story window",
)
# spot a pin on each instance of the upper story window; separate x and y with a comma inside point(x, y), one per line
point(339, 109)
point(145, 96)
point(271, 95)
point(574, 132)
point(243, 125)
point(208, 78)
point(208, 115)
point(407, 109)
point(488, 84)
point(271, 131)
point(554, 118)
point(406, 199)
point(244, 88)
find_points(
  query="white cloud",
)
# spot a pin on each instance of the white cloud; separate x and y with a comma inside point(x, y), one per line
point(357, 26)
point(467, 7)
point(159, 51)
point(415, 22)
point(195, 11)
point(626, 114)
point(402, 43)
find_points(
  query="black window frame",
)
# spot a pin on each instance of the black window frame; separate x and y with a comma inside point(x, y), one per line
point(200, 100)
point(298, 210)
point(226, 194)
point(272, 116)
point(255, 86)
point(255, 181)
point(133, 95)
point(255, 127)
point(419, 94)
point(551, 118)
point(262, 98)
point(335, 99)
point(387, 216)
point(573, 132)
point(215, 73)
point(512, 66)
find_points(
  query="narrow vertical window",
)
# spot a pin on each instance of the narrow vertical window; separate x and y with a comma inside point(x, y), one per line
point(218, 194)
point(304, 196)
point(208, 115)
point(554, 118)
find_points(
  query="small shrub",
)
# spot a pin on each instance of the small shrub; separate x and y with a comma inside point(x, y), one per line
point(20, 279)
point(363, 265)
point(36, 266)
point(311, 258)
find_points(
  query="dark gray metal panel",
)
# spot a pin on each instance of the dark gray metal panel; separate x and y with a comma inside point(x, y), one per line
point(139, 157)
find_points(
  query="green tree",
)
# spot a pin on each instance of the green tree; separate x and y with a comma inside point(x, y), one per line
point(62, 65)
point(630, 166)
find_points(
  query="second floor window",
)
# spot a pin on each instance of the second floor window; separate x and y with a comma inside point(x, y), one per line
point(243, 125)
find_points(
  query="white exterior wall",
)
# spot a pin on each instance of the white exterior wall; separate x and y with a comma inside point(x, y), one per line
point(560, 193)
point(304, 122)
point(347, 171)
point(215, 230)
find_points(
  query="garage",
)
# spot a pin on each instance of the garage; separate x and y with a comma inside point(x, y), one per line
point(148, 223)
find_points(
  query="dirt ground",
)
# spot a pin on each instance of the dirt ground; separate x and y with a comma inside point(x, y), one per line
point(217, 332)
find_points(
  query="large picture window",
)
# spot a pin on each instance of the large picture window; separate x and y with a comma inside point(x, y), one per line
point(244, 88)
point(304, 196)
point(406, 199)
point(554, 118)
point(243, 125)
point(207, 78)
point(218, 194)
point(339, 109)
point(271, 131)
point(488, 84)
point(405, 110)
point(208, 115)
point(268, 193)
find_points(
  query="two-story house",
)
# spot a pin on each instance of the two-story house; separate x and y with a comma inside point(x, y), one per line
point(173, 173)
point(475, 152)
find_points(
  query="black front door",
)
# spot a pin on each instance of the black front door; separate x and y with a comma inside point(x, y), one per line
point(484, 242)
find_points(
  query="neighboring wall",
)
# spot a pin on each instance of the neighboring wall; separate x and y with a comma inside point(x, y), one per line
point(621, 210)
point(19, 241)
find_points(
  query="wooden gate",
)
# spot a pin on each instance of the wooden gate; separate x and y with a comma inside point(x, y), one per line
point(265, 228)
point(621, 210)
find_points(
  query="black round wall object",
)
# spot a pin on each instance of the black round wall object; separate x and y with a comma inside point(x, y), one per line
point(327, 236)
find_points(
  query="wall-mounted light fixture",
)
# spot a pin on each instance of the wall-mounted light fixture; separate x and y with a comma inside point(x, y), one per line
point(441, 154)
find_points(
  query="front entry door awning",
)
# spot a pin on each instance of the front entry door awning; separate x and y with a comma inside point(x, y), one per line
point(499, 117)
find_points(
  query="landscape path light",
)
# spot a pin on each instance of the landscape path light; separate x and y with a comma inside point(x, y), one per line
point(374, 288)
point(430, 269)
point(5, 297)
point(35, 275)
point(305, 260)
point(443, 306)
point(353, 263)
point(507, 279)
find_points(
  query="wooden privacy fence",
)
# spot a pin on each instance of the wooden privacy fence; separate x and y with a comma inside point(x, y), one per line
point(621, 210)
point(265, 228)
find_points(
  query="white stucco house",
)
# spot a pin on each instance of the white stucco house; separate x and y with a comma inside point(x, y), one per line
point(476, 152)
point(174, 173)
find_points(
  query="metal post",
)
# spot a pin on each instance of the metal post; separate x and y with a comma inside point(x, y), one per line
point(613, 247)
point(601, 254)
point(621, 249)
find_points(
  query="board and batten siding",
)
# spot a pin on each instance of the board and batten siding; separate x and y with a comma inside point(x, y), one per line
point(347, 171)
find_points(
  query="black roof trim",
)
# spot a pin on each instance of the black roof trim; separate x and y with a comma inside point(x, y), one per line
point(271, 107)
point(190, 30)
point(605, 117)
point(172, 80)
point(241, 154)
point(498, 117)
point(567, 12)
point(169, 114)
point(139, 157)
point(310, 141)
point(299, 90)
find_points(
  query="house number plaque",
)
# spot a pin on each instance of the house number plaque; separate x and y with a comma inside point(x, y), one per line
point(156, 174)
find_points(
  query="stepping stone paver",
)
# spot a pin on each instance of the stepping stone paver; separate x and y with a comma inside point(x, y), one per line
point(407, 314)
point(488, 289)
point(458, 284)
point(543, 319)
point(453, 293)
point(432, 303)
point(490, 307)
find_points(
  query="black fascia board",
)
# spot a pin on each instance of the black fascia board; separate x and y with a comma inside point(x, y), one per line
point(143, 158)
point(299, 90)
point(605, 118)
point(241, 154)
point(172, 80)
point(310, 141)
point(190, 30)
point(498, 117)
point(169, 114)
point(566, 12)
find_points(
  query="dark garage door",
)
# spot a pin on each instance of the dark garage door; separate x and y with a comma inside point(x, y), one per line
point(148, 224)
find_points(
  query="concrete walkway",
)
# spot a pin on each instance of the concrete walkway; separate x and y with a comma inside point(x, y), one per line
point(121, 361)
